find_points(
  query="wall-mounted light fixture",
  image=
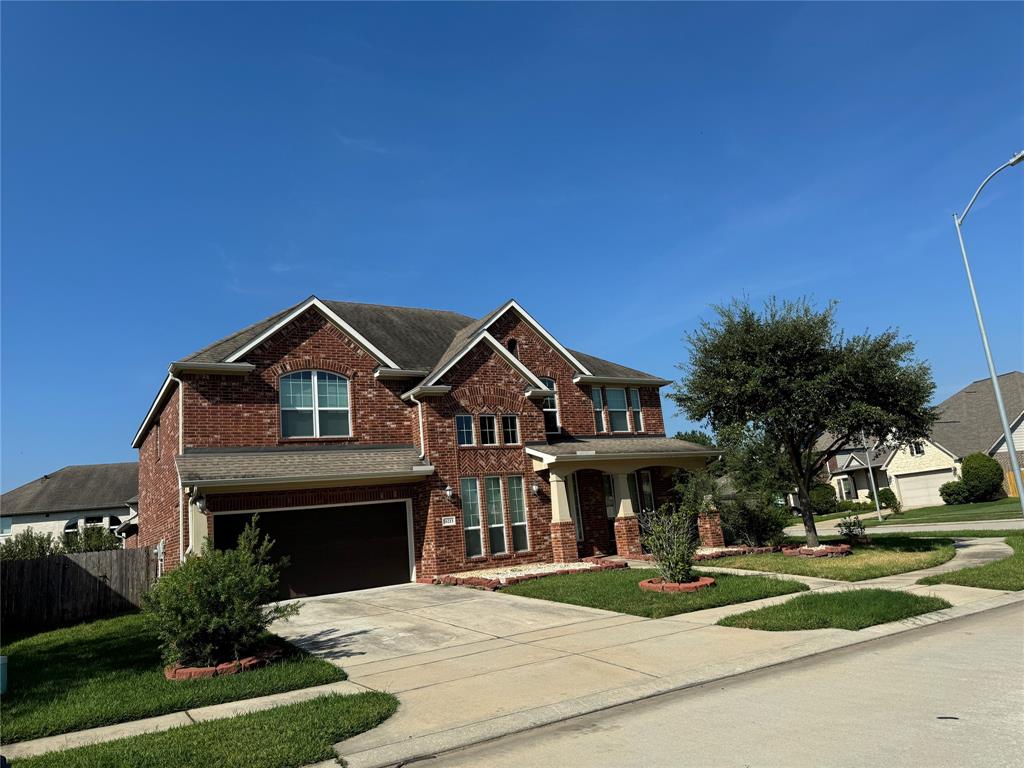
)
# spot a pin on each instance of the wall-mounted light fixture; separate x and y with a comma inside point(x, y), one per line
point(535, 489)
point(449, 492)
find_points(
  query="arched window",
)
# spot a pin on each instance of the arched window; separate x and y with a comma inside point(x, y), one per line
point(71, 526)
point(315, 404)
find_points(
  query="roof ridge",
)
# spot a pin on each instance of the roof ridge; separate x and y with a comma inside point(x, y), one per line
point(398, 306)
point(228, 337)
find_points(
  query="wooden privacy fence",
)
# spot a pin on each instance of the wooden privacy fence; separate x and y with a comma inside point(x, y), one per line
point(57, 591)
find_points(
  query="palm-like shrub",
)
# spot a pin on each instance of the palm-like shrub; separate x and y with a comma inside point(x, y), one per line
point(217, 607)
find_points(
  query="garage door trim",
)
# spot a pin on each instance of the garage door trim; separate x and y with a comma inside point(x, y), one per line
point(408, 519)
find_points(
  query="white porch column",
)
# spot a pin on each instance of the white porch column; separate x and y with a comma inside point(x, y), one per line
point(560, 511)
point(198, 532)
point(623, 501)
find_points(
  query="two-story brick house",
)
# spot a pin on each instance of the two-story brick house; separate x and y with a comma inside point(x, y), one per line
point(384, 444)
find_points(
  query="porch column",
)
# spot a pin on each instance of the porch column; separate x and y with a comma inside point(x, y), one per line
point(563, 530)
point(627, 527)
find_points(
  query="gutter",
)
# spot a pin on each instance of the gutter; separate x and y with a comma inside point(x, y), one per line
point(398, 373)
point(421, 391)
point(633, 381)
point(548, 458)
point(229, 369)
point(413, 472)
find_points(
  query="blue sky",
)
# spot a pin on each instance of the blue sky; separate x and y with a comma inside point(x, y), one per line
point(174, 172)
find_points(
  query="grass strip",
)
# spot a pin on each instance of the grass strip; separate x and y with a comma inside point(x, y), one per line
point(853, 609)
point(1005, 574)
point(284, 737)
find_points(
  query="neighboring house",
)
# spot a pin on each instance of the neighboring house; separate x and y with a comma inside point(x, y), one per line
point(384, 444)
point(72, 498)
point(968, 423)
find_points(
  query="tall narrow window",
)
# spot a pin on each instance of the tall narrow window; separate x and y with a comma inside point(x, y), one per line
point(488, 431)
point(315, 404)
point(471, 516)
point(517, 512)
point(609, 494)
point(598, 400)
point(574, 506)
point(464, 429)
point(510, 429)
point(917, 449)
point(7, 525)
point(617, 409)
point(550, 408)
point(638, 414)
point(641, 491)
point(495, 515)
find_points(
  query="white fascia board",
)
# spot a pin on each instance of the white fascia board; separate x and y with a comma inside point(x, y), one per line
point(1002, 438)
point(422, 391)
point(397, 373)
point(588, 457)
point(485, 336)
point(227, 369)
point(625, 381)
point(513, 304)
point(136, 441)
point(313, 301)
point(398, 474)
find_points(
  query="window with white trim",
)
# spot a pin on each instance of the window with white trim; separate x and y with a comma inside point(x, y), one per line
point(464, 429)
point(495, 516)
point(6, 526)
point(575, 510)
point(488, 431)
point(609, 494)
point(916, 449)
point(550, 407)
point(598, 401)
point(638, 414)
point(315, 404)
point(470, 496)
point(641, 491)
point(616, 398)
point(517, 513)
point(510, 429)
point(847, 489)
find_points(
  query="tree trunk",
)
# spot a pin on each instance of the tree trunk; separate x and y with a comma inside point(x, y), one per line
point(810, 529)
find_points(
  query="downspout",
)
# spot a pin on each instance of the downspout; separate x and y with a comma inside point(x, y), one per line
point(181, 443)
point(419, 409)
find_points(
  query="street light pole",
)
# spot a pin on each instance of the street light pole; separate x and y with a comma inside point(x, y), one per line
point(1011, 449)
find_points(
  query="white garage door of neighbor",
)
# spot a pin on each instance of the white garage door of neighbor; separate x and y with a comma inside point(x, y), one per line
point(923, 490)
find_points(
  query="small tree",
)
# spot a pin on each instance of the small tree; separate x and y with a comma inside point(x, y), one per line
point(982, 475)
point(787, 371)
point(27, 545)
point(92, 538)
point(756, 520)
point(217, 607)
point(670, 532)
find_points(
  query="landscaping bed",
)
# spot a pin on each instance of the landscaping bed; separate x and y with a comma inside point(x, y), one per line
point(110, 671)
point(879, 557)
point(1005, 574)
point(492, 579)
point(285, 737)
point(853, 609)
point(619, 590)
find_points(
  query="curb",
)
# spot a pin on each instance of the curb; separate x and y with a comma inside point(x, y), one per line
point(425, 747)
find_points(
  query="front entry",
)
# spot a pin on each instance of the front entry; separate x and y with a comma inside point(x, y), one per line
point(334, 549)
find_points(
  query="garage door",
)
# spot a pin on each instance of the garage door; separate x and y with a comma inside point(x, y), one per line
point(333, 549)
point(922, 490)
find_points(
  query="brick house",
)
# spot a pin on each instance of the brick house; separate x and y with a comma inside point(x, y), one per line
point(385, 444)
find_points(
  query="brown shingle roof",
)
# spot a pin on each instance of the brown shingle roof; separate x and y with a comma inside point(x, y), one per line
point(969, 420)
point(76, 488)
point(613, 446)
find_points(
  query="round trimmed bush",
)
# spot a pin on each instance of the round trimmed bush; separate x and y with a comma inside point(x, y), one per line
point(823, 499)
point(888, 499)
point(982, 475)
point(954, 492)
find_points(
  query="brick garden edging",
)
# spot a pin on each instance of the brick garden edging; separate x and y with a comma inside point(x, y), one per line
point(826, 550)
point(660, 585)
point(227, 668)
point(492, 585)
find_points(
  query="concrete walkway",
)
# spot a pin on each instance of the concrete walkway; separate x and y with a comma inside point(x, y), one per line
point(830, 526)
point(471, 665)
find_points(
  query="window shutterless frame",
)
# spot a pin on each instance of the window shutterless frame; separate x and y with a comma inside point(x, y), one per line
point(495, 516)
point(638, 414)
point(552, 420)
point(464, 431)
point(314, 404)
point(510, 429)
point(598, 400)
point(616, 398)
point(517, 513)
point(488, 430)
point(470, 497)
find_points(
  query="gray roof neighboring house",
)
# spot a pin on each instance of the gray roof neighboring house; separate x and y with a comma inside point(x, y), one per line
point(80, 487)
point(969, 420)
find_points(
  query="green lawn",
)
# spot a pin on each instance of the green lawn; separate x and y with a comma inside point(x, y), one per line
point(839, 515)
point(965, 533)
point(882, 557)
point(618, 590)
point(1003, 509)
point(854, 609)
point(109, 671)
point(1002, 574)
point(292, 735)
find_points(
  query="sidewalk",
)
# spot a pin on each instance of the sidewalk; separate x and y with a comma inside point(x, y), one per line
point(830, 526)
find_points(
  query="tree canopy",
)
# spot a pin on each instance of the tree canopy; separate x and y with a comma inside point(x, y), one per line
point(787, 374)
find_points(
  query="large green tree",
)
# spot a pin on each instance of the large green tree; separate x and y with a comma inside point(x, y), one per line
point(787, 373)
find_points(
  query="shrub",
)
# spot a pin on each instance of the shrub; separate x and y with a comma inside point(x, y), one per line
point(823, 499)
point(887, 498)
point(756, 521)
point(982, 475)
point(849, 505)
point(954, 492)
point(668, 534)
point(91, 539)
point(28, 545)
point(851, 529)
point(214, 608)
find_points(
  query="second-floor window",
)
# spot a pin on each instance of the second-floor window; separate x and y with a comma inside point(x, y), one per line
point(488, 431)
point(917, 449)
point(510, 429)
point(464, 429)
point(617, 409)
point(315, 404)
point(638, 414)
point(550, 407)
point(595, 396)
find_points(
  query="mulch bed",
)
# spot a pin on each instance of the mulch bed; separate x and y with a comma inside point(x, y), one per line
point(827, 550)
point(492, 585)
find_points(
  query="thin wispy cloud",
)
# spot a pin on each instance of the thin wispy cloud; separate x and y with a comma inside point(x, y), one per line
point(361, 144)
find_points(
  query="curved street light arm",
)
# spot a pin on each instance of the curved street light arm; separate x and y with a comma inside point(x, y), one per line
point(988, 178)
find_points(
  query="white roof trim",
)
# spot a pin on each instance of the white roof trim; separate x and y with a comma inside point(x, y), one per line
point(590, 456)
point(390, 474)
point(1002, 438)
point(513, 304)
point(499, 348)
point(313, 301)
point(152, 410)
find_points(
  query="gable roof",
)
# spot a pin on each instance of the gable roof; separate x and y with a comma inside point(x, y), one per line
point(77, 487)
point(969, 420)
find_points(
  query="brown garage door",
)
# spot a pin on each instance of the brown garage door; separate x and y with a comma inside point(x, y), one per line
point(333, 549)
